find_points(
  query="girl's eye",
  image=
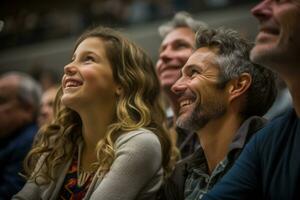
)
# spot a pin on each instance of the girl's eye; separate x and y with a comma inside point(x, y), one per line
point(89, 58)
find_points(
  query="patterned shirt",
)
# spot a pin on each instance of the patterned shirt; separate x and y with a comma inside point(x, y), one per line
point(71, 189)
point(187, 141)
point(198, 180)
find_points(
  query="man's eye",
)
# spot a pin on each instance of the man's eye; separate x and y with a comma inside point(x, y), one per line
point(181, 46)
point(194, 72)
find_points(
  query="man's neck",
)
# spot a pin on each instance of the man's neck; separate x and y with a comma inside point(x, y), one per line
point(216, 137)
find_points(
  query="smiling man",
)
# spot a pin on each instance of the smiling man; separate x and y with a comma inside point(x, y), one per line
point(269, 167)
point(221, 96)
point(178, 43)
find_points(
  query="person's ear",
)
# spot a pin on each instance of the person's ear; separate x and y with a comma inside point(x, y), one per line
point(119, 90)
point(238, 86)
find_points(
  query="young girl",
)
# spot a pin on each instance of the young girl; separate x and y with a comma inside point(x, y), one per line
point(107, 141)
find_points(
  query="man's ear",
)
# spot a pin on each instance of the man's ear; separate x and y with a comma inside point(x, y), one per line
point(238, 86)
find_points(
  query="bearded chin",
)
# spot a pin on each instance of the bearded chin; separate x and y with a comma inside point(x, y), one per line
point(199, 117)
point(195, 121)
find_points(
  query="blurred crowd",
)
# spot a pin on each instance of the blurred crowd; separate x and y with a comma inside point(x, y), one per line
point(35, 21)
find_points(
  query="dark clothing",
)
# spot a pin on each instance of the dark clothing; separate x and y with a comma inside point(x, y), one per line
point(12, 153)
point(268, 168)
point(191, 178)
point(187, 141)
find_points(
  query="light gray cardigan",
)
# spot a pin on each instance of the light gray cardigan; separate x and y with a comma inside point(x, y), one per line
point(136, 173)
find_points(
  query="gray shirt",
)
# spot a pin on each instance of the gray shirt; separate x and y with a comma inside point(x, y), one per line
point(136, 173)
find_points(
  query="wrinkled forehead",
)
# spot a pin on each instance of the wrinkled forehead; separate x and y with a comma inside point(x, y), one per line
point(203, 57)
point(181, 33)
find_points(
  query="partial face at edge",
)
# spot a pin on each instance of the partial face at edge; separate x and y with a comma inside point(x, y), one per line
point(278, 41)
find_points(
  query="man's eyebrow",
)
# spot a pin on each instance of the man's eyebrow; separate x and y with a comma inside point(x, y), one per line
point(179, 40)
point(195, 66)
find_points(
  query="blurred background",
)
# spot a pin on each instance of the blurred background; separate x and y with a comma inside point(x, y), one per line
point(37, 37)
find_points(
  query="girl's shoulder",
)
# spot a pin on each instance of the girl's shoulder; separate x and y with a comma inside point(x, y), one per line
point(140, 136)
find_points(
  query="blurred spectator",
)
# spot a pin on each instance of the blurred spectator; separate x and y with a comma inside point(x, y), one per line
point(178, 43)
point(46, 76)
point(32, 22)
point(216, 3)
point(46, 108)
point(139, 11)
point(19, 104)
point(1, 25)
point(283, 102)
point(107, 12)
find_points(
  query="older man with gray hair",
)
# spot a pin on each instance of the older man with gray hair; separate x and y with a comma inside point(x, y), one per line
point(19, 106)
point(178, 43)
point(222, 96)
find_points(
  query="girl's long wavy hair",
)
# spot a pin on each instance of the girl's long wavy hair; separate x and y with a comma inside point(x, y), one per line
point(138, 106)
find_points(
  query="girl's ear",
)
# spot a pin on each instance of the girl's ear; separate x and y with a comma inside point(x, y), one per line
point(119, 90)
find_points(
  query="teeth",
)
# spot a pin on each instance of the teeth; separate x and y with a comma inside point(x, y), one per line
point(72, 84)
point(185, 103)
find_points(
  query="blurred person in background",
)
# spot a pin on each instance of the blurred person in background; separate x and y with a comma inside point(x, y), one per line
point(47, 106)
point(107, 140)
point(47, 77)
point(1, 25)
point(283, 101)
point(178, 43)
point(19, 107)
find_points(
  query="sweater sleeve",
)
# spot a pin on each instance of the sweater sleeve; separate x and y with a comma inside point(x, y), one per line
point(242, 180)
point(31, 191)
point(137, 160)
